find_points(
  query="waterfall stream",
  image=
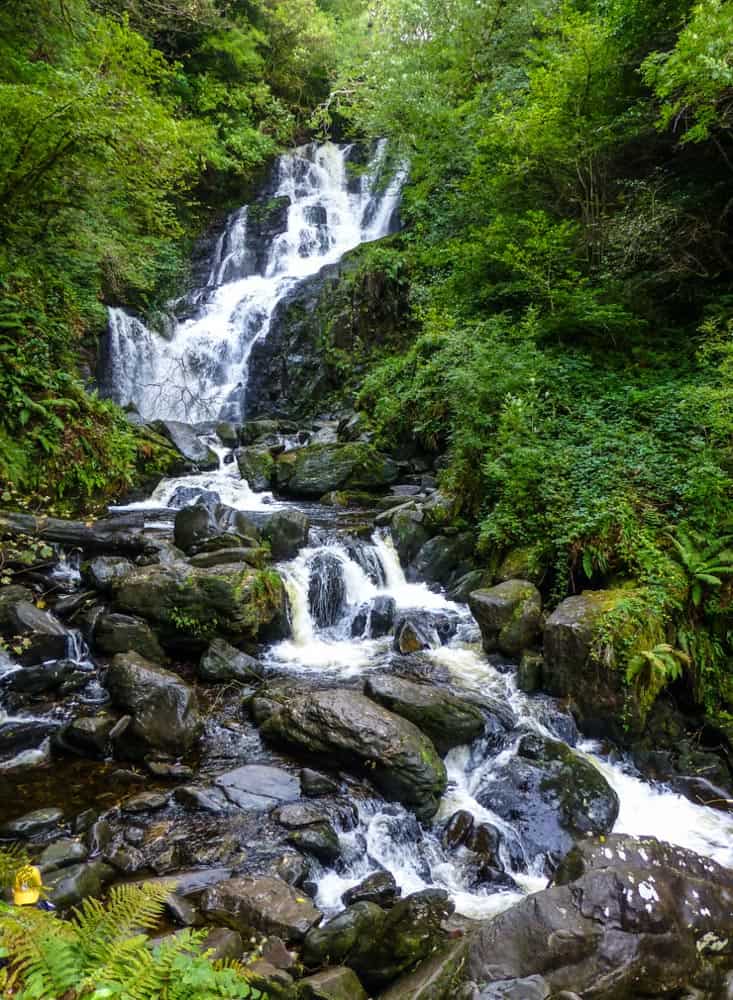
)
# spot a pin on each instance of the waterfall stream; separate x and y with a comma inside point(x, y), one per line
point(196, 368)
point(387, 836)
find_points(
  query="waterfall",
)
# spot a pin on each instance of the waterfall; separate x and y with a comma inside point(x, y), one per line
point(197, 371)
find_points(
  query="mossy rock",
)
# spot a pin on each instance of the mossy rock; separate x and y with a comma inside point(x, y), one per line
point(588, 640)
point(310, 472)
point(509, 616)
point(257, 467)
point(192, 603)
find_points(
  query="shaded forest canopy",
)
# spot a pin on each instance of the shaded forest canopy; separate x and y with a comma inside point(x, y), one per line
point(567, 249)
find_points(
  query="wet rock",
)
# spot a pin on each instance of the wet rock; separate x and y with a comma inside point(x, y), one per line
point(145, 802)
point(185, 602)
point(222, 663)
point(460, 591)
point(185, 439)
point(68, 886)
point(127, 860)
point(531, 988)
point(183, 912)
point(102, 571)
point(298, 814)
point(458, 829)
point(317, 469)
point(164, 708)
point(11, 595)
point(272, 982)
point(19, 734)
point(186, 495)
point(347, 726)
point(170, 771)
point(436, 977)
point(194, 525)
point(32, 824)
point(203, 797)
point(409, 531)
point(61, 854)
point(319, 839)
point(447, 720)
point(223, 944)
point(375, 618)
point(89, 735)
point(339, 983)
point(412, 637)
point(444, 559)
point(259, 786)
point(551, 796)
point(596, 689)
point(379, 888)
point(509, 616)
point(55, 675)
point(529, 672)
point(380, 945)
point(45, 637)
point(268, 905)
point(115, 633)
point(286, 531)
point(256, 556)
point(633, 917)
point(326, 589)
point(315, 784)
point(257, 467)
point(291, 868)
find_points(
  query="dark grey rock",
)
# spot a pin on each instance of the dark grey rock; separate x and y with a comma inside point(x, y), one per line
point(263, 904)
point(222, 663)
point(259, 786)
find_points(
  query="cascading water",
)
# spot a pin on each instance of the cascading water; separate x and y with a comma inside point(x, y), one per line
point(198, 371)
point(386, 836)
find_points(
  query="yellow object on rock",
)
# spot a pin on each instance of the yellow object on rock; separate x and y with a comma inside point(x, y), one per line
point(27, 886)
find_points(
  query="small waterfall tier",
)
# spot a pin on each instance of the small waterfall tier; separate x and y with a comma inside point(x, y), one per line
point(321, 204)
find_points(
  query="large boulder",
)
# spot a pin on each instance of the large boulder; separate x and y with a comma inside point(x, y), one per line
point(164, 708)
point(409, 531)
point(222, 663)
point(437, 977)
point(509, 616)
point(317, 469)
point(285, 531)
point(102, 571)
point(551, 795)
point(256, 466)
point(339, 983)
point(580, 663)
point(375, 618)
point(632, 918)
point(348, 727)
point(267, 905)
point(186, 602)
point(381, 945)
point(115, 633)
point(188, 443)
point(259, 787)
point(447, 720)
point(443, 559)
point(43, 637)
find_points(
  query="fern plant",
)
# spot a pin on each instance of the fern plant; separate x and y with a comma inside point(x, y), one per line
point(703, 561)
point(651, 670)
point(103, 953)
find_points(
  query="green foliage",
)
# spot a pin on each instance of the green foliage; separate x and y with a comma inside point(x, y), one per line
point(651, 670)
point(705, 563)
point(103, 952)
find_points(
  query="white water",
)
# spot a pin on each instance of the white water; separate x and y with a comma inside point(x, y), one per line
point(387, 836)
point(199, 371)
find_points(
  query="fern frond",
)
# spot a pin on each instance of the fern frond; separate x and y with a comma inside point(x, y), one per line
point(130, 909)
point(12, 858)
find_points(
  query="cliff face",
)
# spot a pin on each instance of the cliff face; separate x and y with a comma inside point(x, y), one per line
point(324, 331)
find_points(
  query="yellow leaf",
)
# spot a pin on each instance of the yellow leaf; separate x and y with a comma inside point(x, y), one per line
point(40, 603)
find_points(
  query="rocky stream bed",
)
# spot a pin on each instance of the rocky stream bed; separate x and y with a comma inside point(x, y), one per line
point(351, 776)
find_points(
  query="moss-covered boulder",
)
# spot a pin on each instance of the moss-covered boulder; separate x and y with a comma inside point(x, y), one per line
point(351, 729)
point(509, 616)
point(190, 603)
point(447, 720)
point(552, 796)
point(409, 531)
point(317, 469)
point(257, 467)
point(523, 563)
point(587, 638)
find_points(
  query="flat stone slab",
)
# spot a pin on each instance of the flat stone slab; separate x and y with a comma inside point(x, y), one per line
point(259, 787)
